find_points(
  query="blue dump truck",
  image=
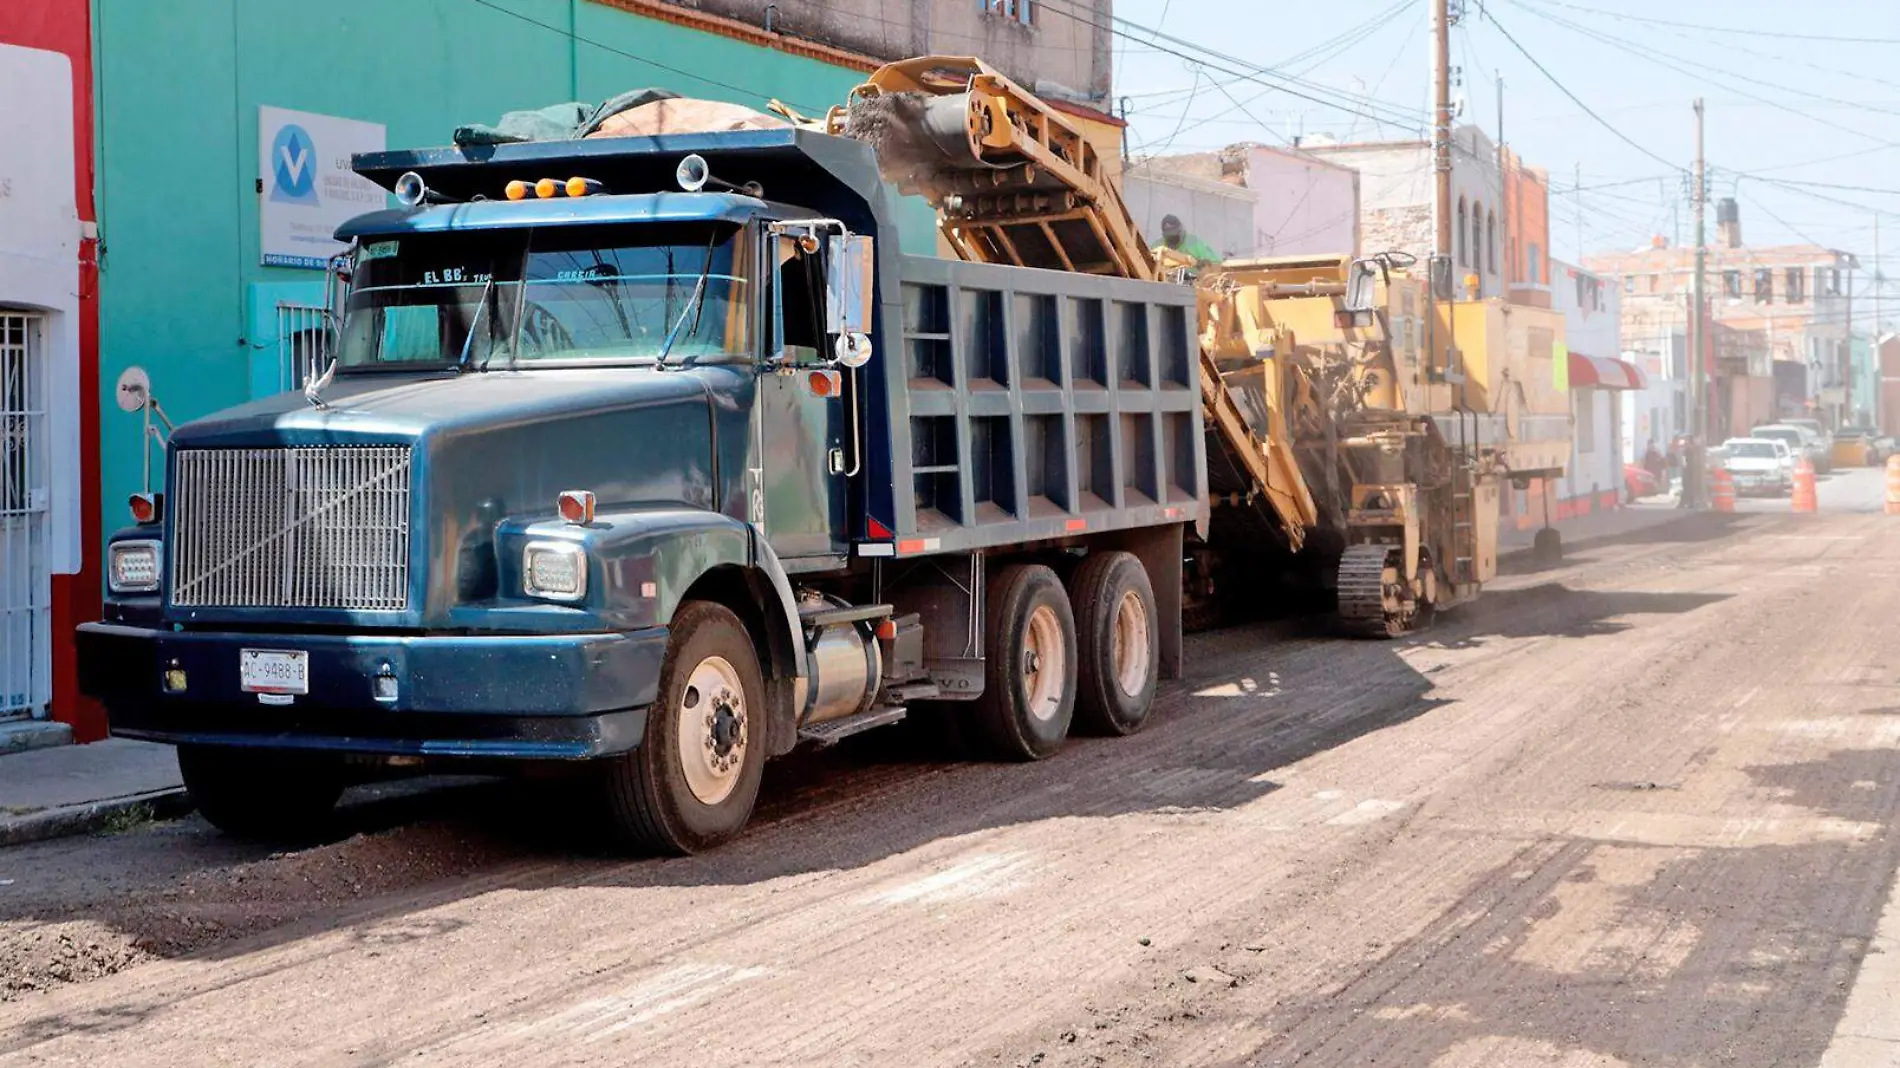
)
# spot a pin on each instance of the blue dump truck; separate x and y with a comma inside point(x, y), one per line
point(655, 456)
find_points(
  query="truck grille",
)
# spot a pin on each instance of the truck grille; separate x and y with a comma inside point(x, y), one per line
point(280, 528)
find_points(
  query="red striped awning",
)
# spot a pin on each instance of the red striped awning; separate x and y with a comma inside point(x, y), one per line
point(1602, 372)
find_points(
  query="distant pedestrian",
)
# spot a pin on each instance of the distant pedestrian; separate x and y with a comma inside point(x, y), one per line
point(1657, 467)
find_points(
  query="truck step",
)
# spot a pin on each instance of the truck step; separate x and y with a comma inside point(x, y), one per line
point(827, 734)
point(905, 693)
point(830, 616)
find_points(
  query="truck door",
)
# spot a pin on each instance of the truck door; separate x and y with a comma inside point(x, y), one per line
point(801, 436)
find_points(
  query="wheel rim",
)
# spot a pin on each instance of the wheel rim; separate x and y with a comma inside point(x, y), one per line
point(1043, 663)
point(1130, 643)
point(711, 722)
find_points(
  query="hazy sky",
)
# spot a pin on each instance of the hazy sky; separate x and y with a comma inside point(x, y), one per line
point(1779, 106)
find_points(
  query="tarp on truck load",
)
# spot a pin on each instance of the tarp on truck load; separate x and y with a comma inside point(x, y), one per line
point(637, 113)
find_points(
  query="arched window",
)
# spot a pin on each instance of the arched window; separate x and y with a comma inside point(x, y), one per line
point(1463, 261)
point(1491, 241)
point(1477, 235)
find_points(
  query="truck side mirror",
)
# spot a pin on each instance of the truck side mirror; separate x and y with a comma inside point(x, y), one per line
point(1361, 279)
point(848, 285)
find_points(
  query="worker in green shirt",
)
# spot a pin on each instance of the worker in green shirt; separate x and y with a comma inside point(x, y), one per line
point(1177, 238)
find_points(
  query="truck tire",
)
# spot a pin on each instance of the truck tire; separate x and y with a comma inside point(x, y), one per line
point(1029, 665)
point(262, 794)
point(1118, 634)
point(692, 782)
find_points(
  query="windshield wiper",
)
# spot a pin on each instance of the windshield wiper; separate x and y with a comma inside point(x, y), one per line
point(691, 310)
point(481, 306)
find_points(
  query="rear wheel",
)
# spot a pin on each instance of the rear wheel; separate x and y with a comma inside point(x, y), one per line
point(1118, 636)
point(262, 794)
point(1030, 665)
point(693, 781)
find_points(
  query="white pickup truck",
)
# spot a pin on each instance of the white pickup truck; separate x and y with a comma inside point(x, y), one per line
point(1760, 466)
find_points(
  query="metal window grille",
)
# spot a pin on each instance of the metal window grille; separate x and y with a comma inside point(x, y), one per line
point(25, 577)
point(303, 344)
point(293, 527)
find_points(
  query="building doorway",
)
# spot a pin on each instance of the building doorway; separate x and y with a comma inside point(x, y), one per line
point(25, 500)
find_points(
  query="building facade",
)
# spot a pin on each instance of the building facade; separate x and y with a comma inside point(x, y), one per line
point(1059, 51)
point(1593, 334)
point(1779, 313)
point(49, 384)
point(1500, 210)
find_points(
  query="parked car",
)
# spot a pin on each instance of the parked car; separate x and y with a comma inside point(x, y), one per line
point(1802, 442)
point(1762, 467)
point(1641, 482)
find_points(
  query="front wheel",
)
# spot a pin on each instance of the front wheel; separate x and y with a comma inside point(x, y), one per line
point(262, 794)
point(692, 782)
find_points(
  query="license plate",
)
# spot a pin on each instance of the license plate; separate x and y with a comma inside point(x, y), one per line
point(281, 671)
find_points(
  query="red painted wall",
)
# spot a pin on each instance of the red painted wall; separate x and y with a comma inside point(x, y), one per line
point(66, 26)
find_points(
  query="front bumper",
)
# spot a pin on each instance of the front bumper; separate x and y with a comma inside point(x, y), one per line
point(1758, 482)
point(562, 697)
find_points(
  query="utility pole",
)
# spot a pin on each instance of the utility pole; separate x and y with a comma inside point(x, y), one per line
point(1504, 201)
point(1692, 480)
point(1441, 124)
point(1873, 354)
point(1576, 187)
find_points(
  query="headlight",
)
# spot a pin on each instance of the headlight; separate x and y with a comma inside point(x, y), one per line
point(134, 567)
point(554, 571)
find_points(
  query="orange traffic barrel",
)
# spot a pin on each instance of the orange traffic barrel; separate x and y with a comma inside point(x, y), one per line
point(1722, 493)
point(1893, 484)
point(1804, 498)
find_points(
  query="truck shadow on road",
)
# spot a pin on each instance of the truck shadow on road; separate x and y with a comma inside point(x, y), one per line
point(1556, 610)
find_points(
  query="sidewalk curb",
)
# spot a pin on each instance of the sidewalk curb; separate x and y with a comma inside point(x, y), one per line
point(71, 820)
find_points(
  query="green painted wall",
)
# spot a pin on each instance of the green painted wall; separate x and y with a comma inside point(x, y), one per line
point(179, 87)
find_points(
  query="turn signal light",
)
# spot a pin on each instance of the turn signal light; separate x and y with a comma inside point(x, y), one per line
point(548, 187)
point(516, 190)
point(145, 508)
point(577, 507)
point(580, 187)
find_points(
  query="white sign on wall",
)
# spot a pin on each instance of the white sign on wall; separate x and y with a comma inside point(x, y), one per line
point(308, 187)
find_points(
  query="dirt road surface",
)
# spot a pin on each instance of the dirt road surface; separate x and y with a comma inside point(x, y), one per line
point(1638, 809)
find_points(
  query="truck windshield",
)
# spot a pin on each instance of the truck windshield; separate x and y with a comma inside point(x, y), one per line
point(501, 298)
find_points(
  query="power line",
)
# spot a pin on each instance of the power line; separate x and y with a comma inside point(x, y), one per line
point(564, 32)
point(1226, 64)
point(1728, 29)
point(1624, 43)
point(1389, 68)
point(1565, 90)
point(1184, 113)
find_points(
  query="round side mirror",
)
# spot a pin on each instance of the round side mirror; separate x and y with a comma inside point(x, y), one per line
point(134, 390)
point(852, 350)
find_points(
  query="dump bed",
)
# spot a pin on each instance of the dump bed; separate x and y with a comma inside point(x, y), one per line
point(1019, 404)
